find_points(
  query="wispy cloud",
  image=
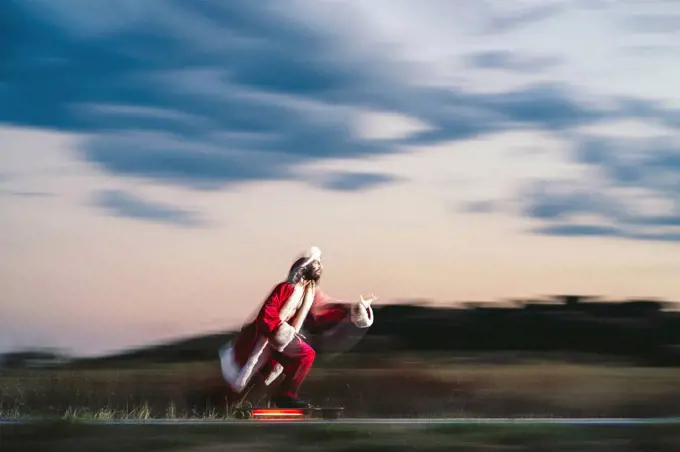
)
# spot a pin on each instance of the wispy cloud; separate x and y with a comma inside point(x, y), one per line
point(486, 206)
point(206, 94)
point(124, 204)
point(354, 181)
point(230, 92)
point(578, 230)
point(26, 193)
point(668, 23)
point(586, 230)
point(632, 185)
point(164, 101)
point(510, 61)
point(523, 15)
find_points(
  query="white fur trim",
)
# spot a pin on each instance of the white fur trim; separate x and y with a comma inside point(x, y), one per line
point(283, 336)
point(257, 359)
point(239, 378)
point(292, 304)
point(361, 316)
point(304, 306)
point(230, 369)
point(278, 369)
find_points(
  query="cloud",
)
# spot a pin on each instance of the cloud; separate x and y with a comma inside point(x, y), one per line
point(510, 61)
point(26, 194)
point(625, 187)
point(630, 186)
point(193, 93)
point(648, 163)
point(203, 165)
point(206, 94)
point(354, 181)
point(667, 23)
point(558, 200)
point(212, 93)
point(552, 107)
point(650, 51)
point(486, 206)
point(585, 230)
point(524, 16)
point(576, 230)
point(127, 205)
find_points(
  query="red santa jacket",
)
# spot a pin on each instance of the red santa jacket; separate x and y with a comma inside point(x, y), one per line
point(288, 308)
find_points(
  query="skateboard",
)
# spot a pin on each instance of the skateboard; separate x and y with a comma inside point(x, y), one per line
point(245, 410)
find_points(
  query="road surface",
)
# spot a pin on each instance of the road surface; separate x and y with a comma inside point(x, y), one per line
point(379, 421)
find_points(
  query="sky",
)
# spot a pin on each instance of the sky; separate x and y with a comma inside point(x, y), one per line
point(163, 163)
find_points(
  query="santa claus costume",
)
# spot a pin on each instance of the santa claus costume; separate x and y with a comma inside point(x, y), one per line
point(271, 345)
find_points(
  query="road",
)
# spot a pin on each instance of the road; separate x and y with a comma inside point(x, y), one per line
point(381, 421)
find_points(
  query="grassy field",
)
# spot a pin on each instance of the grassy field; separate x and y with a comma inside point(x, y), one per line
point(66, 437)
point(400, 387)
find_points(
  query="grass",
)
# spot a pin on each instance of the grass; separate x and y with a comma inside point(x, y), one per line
point(142, 412)
point(387, 388)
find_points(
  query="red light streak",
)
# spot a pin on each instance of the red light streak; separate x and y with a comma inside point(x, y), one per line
point(278, 413)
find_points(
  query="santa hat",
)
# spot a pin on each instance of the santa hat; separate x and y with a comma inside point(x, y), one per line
point(312, 254)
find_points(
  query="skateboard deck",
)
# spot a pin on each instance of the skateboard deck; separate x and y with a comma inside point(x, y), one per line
point(246, 411)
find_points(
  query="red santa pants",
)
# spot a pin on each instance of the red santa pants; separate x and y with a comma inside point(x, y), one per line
point(297, 359)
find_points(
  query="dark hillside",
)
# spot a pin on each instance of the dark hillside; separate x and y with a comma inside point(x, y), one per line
point(641, 331)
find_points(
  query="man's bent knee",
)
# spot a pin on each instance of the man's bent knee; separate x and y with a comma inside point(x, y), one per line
point(308, 354)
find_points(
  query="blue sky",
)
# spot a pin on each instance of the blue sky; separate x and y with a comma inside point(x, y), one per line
point(152, 151)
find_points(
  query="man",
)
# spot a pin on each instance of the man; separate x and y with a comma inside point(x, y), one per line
point(271, 345)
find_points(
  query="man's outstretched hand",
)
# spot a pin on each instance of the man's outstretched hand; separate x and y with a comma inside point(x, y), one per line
point(367, 302)
point(361, 313)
